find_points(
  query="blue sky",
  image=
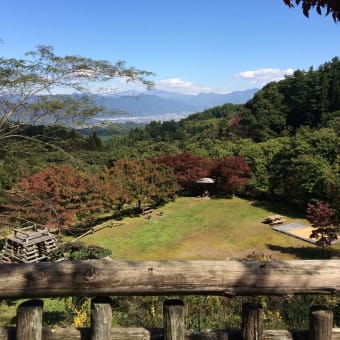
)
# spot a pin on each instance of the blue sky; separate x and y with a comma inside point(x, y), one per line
point(192, 46)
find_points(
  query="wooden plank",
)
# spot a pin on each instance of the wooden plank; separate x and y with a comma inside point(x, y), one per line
point(149, 211)
point(101, 318)
point(97, 228)
point(320, 323)
point(85, 334)
point(252, 322)
point(226, 278)
point(8, 333)
point(29, 320)
point(173, 316)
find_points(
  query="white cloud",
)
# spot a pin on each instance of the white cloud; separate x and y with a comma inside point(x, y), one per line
point(181, 86)
point(264, 75)
point(170, 84)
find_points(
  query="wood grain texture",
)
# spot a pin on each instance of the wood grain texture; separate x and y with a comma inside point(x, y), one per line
point(228, 278)
point(8, 333)
point(174, 323)
point(29, 320)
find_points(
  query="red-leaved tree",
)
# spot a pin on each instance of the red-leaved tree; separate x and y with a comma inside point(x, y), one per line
point(59, 196)
point(322, 217)
point(187, 168)
point(231, 173)
point(144, 182)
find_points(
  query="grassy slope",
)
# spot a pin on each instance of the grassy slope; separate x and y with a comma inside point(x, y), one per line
point(193, 229)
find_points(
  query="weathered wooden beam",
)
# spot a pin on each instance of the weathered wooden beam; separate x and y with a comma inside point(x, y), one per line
point(101, 318)
point(85, 334)
point(228, 278)
point(252, 322)
point(173, 316)
point(8, 333)
point(320, 323)
point(29, 320)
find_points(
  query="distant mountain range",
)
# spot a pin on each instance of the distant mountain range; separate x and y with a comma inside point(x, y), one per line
point(161, 105)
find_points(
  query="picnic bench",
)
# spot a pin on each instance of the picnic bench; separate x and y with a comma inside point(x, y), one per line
point(147, 211)
point(274, 220)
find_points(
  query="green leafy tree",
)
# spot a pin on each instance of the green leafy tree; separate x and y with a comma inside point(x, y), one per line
point(78, 251)
point(306, 167)
point(268, 108)
point(259, 157)
point(304, 99)
point(28, 87)
point(94, 143)
point(43, 73)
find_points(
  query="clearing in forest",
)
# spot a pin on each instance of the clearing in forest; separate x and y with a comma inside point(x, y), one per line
point(215, 229)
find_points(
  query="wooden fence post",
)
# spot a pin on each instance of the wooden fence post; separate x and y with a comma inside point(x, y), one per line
point(320, 323)
point(174, 325)
point(29, 320)
point(101, 318)
point(252, 322)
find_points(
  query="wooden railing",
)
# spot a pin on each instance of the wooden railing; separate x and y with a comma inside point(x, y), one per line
point(102, 278)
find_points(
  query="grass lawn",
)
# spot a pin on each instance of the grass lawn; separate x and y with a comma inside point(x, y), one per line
point(215, 229)
point(192, 229)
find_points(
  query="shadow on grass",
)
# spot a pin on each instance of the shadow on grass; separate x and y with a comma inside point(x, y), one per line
point(306, 253)
point(279, 208)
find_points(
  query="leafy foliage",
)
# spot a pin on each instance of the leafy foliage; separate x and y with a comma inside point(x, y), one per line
point(28, 87)
point(43, 72)
point(284, 144)
point(57, 196)
point(79, 251)
point(146, 182)
point(63, 197)
point(331, 6)
point(231, 173)
point(320, 214)
point(187, 168)
point(322, 218)
point(309, 98)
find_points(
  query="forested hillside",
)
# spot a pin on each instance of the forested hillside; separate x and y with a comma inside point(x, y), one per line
point(283, 144)
point(310, 99)
point(288, 134)
point(305, 99)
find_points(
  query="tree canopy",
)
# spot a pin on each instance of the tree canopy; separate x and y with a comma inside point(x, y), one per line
point(26, 86)
point(331, 6)
point(282, 144)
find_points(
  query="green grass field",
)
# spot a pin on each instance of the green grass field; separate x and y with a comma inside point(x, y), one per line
point(192, 229)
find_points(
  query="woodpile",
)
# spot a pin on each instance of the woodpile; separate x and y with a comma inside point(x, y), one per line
point(29, 245)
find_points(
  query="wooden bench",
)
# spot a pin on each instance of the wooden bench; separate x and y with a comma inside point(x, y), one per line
point(146, 212)
point(279, 221)
point(274, 219)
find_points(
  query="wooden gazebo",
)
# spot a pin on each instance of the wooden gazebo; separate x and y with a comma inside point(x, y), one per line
point(28, 245)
